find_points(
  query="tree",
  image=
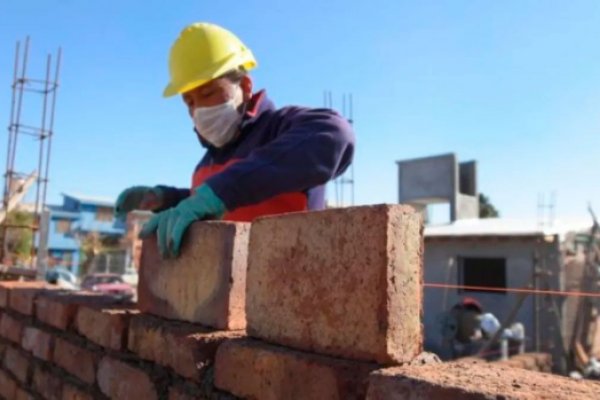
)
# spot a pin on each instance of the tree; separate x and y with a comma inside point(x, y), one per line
point(19, 240)
point(92, 244)
point(486, 208)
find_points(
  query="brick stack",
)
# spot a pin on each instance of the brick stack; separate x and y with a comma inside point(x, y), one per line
point(331, 296)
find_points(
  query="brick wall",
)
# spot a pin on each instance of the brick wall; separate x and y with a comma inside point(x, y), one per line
point(320, 305)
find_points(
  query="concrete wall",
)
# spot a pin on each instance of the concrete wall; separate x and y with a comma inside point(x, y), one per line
point(439, 179)
point(520, 253)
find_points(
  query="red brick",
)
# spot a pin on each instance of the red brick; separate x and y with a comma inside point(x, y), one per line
point(47, 384)
point(187, 349)
point(22, 299)
point(17, 363)
point(251, 369)
point(343, 282)
point(22, 394)
point(8, 386)
point(178, 393)
point(106, 327)
point(58, 308)
point(38, 342)
point(72, 393)
point(76, 360)
point(205, 284)
point(121, 381)
point(11, 328)
point(475, 382)
point(7, 287)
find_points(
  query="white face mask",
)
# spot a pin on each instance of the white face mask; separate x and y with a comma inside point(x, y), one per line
point(219, 125)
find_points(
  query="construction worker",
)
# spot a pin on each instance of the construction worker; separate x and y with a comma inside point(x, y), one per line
point(259, 160)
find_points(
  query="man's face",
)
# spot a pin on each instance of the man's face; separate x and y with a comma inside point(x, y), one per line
point(215, 92)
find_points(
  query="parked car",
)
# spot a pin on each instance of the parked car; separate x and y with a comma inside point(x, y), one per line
point(111, 284)
point(62, 277)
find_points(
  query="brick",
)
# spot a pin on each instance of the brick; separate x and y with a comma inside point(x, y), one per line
point(59, 308)
point(106, 327)
point(205, 284)
point(475, 382)
point(188, 349)
point(38, 342)
point(70, 392)
point(118, 380)
point(76, 360)
point(47, 384)
point(179, 393)
point(22, 299)
point(7, 287)
point(17, 363)
point(11, 328)
point(249, 368)
point(8, 386)
point(22, 394)
point(344, 282)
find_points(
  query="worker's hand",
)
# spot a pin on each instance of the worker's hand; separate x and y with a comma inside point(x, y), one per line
point(138, 198)
point(170, 225)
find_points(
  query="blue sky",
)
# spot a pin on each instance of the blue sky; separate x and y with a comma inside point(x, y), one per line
point(512, 84)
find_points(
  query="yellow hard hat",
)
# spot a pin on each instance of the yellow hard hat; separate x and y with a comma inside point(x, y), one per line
point(203, 52)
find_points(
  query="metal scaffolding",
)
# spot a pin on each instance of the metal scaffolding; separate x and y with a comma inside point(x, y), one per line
point(26, 90)
point(343, 185)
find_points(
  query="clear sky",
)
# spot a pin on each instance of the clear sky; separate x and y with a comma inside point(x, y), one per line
point(512, 84)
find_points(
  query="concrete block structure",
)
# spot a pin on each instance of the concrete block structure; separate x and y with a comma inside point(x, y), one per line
point(440, 179)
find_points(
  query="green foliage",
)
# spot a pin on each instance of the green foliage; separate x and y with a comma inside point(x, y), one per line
point(486, 208)
point(19, 241)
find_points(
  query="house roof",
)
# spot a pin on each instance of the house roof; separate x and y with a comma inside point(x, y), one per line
point(94, 200)
point(506, 227)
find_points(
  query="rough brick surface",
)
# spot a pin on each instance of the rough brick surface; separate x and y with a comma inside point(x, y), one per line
point(345, 282)
point(22, 394)
point(76, 360)
point(120, 381)
point(205, 284)
point(176, 393)
point(187, 349)
point(70, 392)
point(22, 299)
point(11, 328)
point(475, 382)
point(17, 363)
point(59, 308)
point(541, 362)
point(106, 327)
point(47, 384)
point(8, 386)
point(7, 287)
point(38, 342)
point(251, 369)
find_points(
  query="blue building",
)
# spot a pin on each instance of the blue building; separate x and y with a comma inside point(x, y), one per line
point(75, 218)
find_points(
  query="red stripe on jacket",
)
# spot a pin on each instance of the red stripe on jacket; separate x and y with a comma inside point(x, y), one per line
point(283, 203)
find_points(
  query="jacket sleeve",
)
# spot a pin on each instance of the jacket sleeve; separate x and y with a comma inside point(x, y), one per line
point(172, 196)
point(311, 147)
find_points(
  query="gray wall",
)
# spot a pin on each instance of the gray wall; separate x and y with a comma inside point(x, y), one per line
point(440, 179)
point(441, 267)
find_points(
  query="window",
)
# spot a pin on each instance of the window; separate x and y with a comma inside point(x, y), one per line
point(63, 226)
point(104, 214)
point(482, 272)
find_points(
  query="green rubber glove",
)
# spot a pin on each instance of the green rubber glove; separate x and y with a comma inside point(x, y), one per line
point(170, 225)
point(138, 198)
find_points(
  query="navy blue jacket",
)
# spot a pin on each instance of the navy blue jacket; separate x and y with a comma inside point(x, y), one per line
point(280, 162)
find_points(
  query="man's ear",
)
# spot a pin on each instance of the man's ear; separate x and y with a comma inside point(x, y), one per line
point(246, 84)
